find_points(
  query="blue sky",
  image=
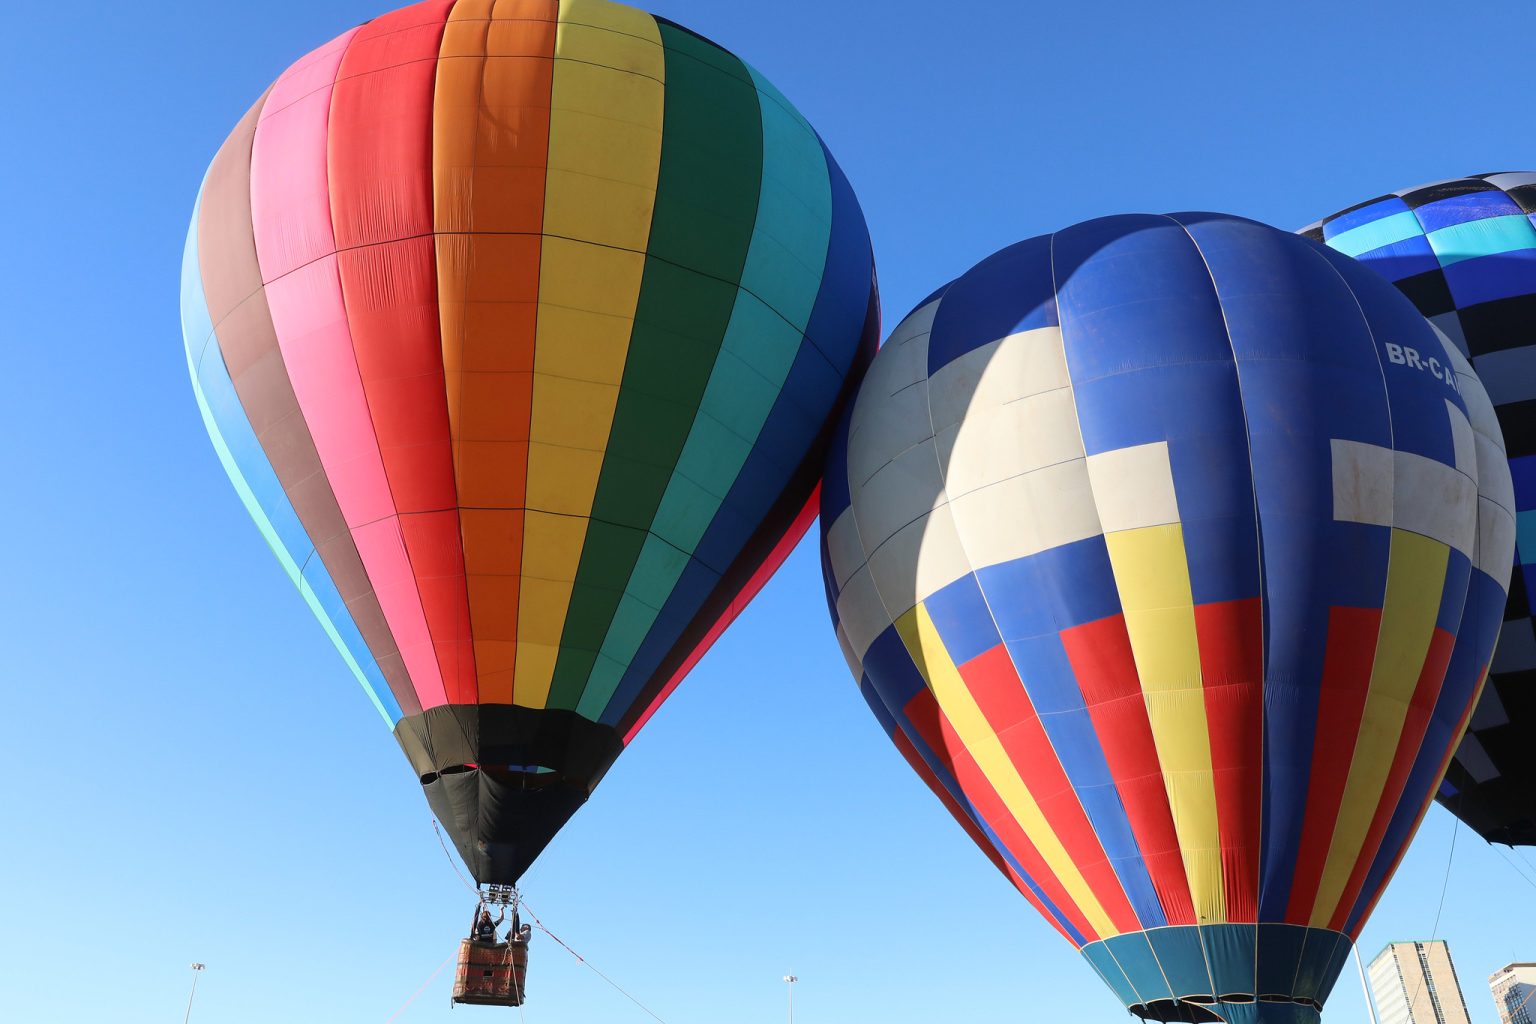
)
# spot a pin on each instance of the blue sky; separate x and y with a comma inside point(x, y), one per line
point(192, 773)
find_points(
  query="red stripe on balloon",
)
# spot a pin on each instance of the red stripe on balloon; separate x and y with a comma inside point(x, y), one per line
point(1429, 798)
point(995, 685)
point(1101, 658)
point(910, 754)
point(1415, 723)
point(380, 164)
point(1231, 639)
point(1347, 661)
point(934, 729)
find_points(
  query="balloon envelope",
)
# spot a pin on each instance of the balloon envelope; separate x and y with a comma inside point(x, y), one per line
point(1170, 552)
point(1464, 251)
point(519, 327)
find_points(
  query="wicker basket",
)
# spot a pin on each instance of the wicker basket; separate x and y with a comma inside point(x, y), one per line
point(491, 973)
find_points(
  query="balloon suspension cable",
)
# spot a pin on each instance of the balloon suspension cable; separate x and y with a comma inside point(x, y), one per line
point(451, 862)
point(588, 965)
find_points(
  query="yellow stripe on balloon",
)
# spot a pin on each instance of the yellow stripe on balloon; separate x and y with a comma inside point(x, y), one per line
point(600, 189)
point(1416, 570)
point(1152, 576)
point(932, 659)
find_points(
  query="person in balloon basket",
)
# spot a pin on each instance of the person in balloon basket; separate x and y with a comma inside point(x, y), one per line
point(519, 934)
point(484, 929)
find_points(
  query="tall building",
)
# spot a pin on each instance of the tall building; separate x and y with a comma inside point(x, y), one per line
point(1415, 983)
point(1514, 992)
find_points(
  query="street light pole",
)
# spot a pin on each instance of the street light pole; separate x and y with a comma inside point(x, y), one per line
point(1370, 1005)
point(197, 969)
point(789, 982)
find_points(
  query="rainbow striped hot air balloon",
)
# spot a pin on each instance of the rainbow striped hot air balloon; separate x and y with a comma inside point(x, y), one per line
point(1464, 250)
point(1175, 583)
point(519, 326)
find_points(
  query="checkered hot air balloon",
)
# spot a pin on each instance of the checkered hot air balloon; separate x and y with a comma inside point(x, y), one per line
point(519, 327)
point(1170, 551)
point(1464, 251)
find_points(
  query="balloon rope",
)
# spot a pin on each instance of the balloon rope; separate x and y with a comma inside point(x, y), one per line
point(1515, 865)
point(1527, 880)
point(540, 925)
point(1523, 860)
point(1444, 885)
point(430, 978)
point(519, 988)
point(451, 862)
